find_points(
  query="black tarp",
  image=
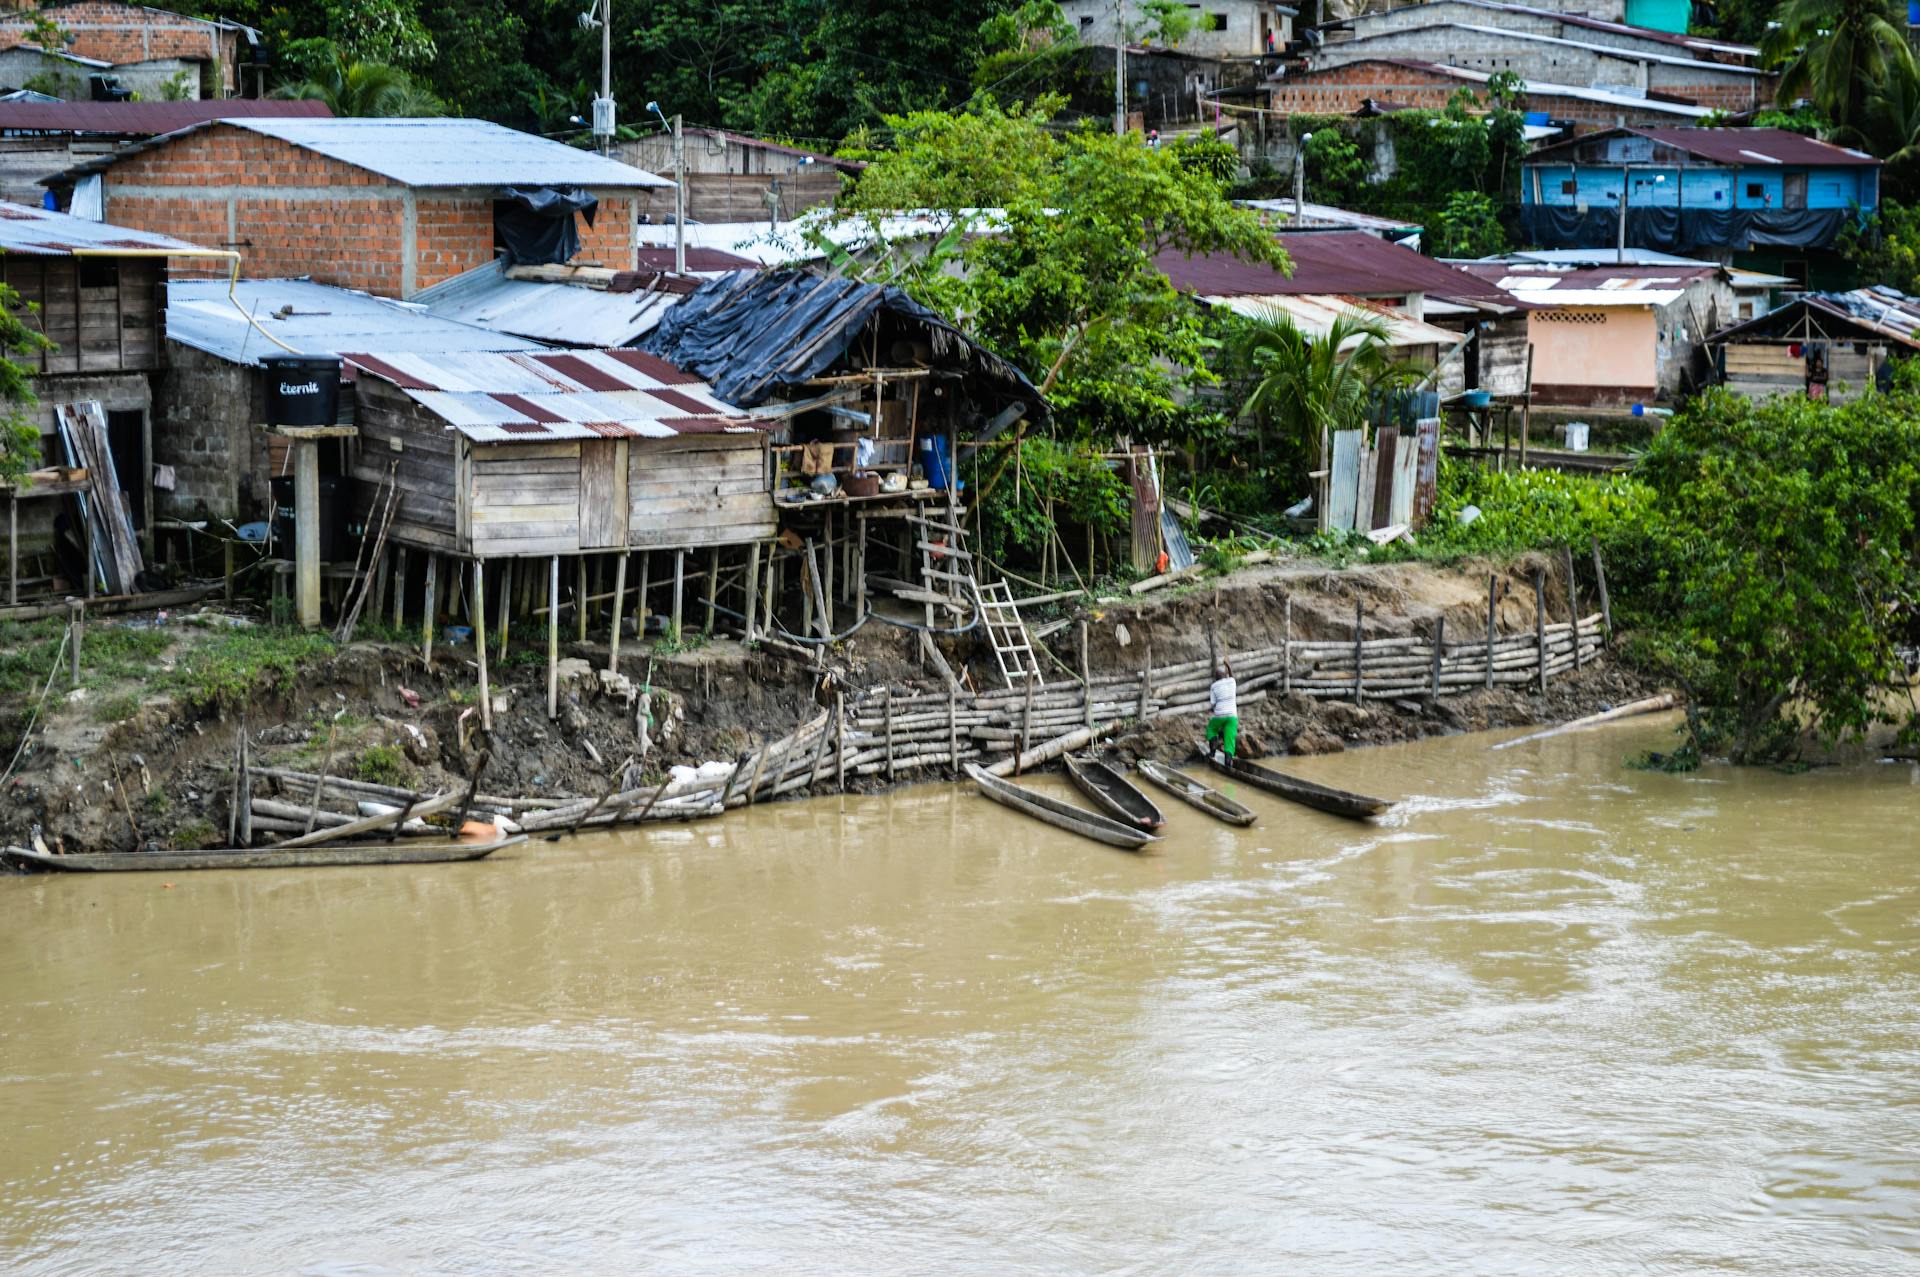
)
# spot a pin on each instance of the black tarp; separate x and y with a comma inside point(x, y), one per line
point(748, 332)
point(1682, 231)
point(535, 225)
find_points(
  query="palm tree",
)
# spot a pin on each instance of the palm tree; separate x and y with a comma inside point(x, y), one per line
point(1310, 386)
point(1836, 52)
point(1890, 121)
point(364, 89)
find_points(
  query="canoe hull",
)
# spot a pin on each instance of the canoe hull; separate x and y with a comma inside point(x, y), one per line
point(1064, 816)
point(1196, 794)
point(1325, 798)
point(1113, 794)
point(253, 858)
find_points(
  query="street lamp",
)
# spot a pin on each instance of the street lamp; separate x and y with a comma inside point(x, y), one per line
point(679, 187)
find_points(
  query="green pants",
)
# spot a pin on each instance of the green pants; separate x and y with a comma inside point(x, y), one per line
point(1227, 729)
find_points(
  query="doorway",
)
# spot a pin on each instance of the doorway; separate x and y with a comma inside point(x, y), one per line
point(127, 437)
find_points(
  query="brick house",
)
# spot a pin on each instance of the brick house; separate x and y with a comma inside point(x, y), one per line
point(1408, 82)
point(390, 206)
point(142, 48)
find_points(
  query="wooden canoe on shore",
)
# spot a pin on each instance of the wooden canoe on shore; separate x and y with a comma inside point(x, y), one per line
point(1075, 820)
point(1110, 791)
point(1320, 797)
point(395, 853)
point(1194, 793)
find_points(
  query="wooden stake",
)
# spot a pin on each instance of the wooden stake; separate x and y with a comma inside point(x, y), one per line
point(1286, 646)
point(860, 567)
point(400, 589)
point(480, 642)
point(1573, 608)
point(246, 785)
point(1606, 607)
point(1086, 682)
point(76, 631)
point(1026, 724)
point(13, 551)
point(1359, 648)
point(953, 729)
point(553, 637)
point(1540, 624)
point(619, 605)
point(640, 609)
point(1493, 601)
point(839, 740)
point(1439, 652)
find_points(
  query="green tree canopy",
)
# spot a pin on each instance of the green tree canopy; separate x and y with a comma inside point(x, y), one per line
point(1836, 52)
point(1068, 288)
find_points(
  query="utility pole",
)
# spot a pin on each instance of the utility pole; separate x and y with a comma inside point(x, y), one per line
point(1300, 177)
point(1119, 68)
point(602, 12)
point(1620, 244)
point(679, 197)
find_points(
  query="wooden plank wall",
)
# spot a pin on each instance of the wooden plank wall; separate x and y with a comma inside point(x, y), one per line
point(111, 326)
point(427, 514)
point(603, 493)
point(525, 498)
point(1759, 371)
point(698, 490)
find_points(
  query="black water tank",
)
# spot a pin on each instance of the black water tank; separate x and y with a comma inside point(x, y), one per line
point(302, 390)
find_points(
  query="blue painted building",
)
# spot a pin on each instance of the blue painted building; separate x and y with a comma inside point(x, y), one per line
point(1696, 190)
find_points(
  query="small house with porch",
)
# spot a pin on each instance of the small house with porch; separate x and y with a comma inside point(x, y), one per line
point(1835, 346)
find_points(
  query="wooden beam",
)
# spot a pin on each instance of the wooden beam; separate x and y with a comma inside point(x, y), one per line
point(619, 607)
point(480, 641)
point(553, 637)
point(316, 432)
point(428, 608)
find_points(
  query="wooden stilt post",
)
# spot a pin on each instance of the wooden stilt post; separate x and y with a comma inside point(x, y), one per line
point(506, 605)
point(553, 637)
point(1086, 680)
point(480, 642)
point(713, 586)
point(641, 610)
point(1493, 602)
point(619, 606)
point(1026, 726)
point(839, 739)
point(427, 611)
point(1540, 624)
point(825, 564)
point(580, 596)
point(400, 588)
point(679, 586)
point(860, 570)
point(306, 531)
point(752, 592)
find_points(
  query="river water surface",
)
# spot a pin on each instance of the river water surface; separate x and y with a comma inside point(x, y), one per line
point(1552, 1016)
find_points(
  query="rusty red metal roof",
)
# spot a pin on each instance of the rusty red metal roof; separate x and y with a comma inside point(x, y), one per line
point(1730, 146)
point(145, 119)
point(1340, 262)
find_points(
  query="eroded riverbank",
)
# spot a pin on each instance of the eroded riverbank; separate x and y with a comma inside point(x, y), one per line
point(1554, 1014)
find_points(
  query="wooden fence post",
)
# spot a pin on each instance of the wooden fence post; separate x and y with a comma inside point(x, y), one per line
point(1359, 649)
point(553, 637)
point(1286, 647)
point(1540, 624)
point(619, 607)
point(1606, 608)
point(1573, 608)
point(1493, 602)
point(1439, 651)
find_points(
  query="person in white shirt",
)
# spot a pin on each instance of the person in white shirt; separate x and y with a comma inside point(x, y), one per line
point(1223, 721)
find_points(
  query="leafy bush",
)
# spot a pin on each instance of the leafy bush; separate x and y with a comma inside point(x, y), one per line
point(383, 765)
point(1467, 227)
point(1533, 509)
point(1084, 491)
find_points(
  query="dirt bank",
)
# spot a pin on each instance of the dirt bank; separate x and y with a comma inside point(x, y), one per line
point(145, 753)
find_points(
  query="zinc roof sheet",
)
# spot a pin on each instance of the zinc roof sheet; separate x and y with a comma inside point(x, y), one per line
point(40, 232)
point(312, 318)
point(1315, 316)
point(145, 119)
point(560, 313)
point(534, 398)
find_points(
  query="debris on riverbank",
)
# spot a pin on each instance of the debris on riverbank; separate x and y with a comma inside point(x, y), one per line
point(143, 754)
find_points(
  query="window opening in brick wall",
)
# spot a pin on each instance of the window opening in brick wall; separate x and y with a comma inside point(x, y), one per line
point(1216, 22)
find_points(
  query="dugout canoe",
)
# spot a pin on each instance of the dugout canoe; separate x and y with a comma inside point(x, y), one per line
point(1196, 794)
point(1109, 790)
point(1325, 798)
point(395, 853)
point(1074, 820)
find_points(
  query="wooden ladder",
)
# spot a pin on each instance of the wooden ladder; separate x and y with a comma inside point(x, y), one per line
point(1006, 633)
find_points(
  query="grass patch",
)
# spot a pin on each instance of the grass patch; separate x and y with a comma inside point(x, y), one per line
point(117, 709)
point(227, 672)
point(194, 834)
point(384, 765)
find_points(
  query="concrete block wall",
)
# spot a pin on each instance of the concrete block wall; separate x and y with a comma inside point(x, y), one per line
point(205, 419)
point(130, 33)
point(1342, 90)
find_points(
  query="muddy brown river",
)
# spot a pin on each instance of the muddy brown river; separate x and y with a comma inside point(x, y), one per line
point(1553, 1016)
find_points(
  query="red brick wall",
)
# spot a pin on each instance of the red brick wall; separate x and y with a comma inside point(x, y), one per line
point(293, 212)
point(127, 33)
point(1343, 90)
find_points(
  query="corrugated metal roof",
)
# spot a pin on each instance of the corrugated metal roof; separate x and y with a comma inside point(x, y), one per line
point(438, 152)
point(1344, 263)
point(1315, 315)
point(144, 119)
point(1726, 146)
point(1880, 311)
point(561, 313)
point(1588, 286)
point(316, 319)
point(538, 398)
point(1700, 44)
point(1282, 215)
point(1535, 88)
point(780, 243)
point(39, 232)
point(1447, 37)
